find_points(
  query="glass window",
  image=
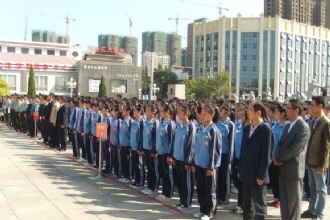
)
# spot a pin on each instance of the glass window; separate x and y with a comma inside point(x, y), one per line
point(244, 57)
point(11, 80)
point(37, 51)
point(60, 83)
point(245, 45)
point(50, 52)
point(11, 49)
point(25, 50)
point(41, 83)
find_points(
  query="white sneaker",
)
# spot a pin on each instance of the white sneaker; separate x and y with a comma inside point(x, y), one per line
point(198, 215)
point(121, 179)
point(126, 181)
point(80, 159)
point(176, 205)
point(150, 192)
point(205, 217)
point(182, 207)
point(145, 191)
point(234, 190)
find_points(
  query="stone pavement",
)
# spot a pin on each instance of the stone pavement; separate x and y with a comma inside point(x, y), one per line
point(39, 183)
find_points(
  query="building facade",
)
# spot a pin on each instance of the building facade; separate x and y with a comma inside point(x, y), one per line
point(151, 61)
point(47, 37)
point(121, 78)
point(313, 12)
point(53, 64)
point(261, 53)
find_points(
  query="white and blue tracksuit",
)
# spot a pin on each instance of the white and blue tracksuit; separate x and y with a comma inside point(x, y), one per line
point(181, 151)
point(87, 131)
point(124, 140)
point(165, 135)
point(115, 157)
point(228, 132)
point(106, 145)
point(237, 151)
point(96, 117)
point(149, 147)
point(73, 127)
point(136, 138)
point(207, 156)
point(79, 128)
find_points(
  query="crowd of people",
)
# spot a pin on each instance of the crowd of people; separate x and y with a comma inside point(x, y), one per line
point(219, 146)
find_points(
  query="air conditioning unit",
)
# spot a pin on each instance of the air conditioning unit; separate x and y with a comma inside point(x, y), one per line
point(75, 52)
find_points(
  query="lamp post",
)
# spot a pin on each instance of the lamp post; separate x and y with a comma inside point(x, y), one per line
point(153, 90)
point(71, 84)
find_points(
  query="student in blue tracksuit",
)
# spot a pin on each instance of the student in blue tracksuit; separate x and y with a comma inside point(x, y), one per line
point(280, 117)
point(72, 127)
point(96, 117)
point(228, 132)
point(181, 155)
point(206, 161)
point(165, 135)
point(106, 141)
point(244, 121)
point(136, 144)
point(79, 128)
point(149, 149)
point(86, 131)
point(114, 142)
point(124, 141)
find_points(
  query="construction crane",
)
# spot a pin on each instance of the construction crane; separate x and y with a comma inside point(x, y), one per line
point(219, 7)
point(177, 36)
point(130, 33)
point(58, 16)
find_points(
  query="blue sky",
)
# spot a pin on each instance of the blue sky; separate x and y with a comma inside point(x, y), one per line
point(108, 16)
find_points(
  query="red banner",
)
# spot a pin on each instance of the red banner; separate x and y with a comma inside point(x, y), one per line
point(101, 130)
point(36, 66)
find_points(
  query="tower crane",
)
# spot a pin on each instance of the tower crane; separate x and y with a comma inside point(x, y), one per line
point(130, 32)
point(177, 36)
point(67, 18)
point(219, 7)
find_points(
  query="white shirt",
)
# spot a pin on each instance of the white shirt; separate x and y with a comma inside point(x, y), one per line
point(294, 122)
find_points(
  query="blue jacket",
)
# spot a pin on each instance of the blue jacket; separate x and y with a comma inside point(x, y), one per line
point(114, 130)
point(238, 138)
point(184, 143)
point(95, 118)
point(228, 133)
point(81, 118)
point(125, 132)
point(149, 135)
point(136, 135)
point(72, 118)
point(75, 118)
point(208, 147)
point(165, 135)
point(278, 130)
point(87, 122)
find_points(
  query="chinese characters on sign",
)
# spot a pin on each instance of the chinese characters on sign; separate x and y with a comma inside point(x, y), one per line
point(101, 130)
point(36, 66)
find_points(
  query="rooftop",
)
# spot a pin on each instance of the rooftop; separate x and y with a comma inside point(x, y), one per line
point(33, 58)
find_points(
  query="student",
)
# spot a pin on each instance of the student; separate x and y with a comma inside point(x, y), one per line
point(79, 127)
point(227, 129)
point(106, 141)
point(136, 137)
point(124, 140)
point(86, 131)
point(72, 125)
point(115, 157)
point(206, 161)
point(96, 117)
point(165, 135)
point(280, 117)
point(181, 155)
point(149, 149)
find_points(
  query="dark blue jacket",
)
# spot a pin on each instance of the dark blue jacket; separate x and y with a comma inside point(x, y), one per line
point(256, 154)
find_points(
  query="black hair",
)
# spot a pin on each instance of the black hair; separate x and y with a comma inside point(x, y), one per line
point(258, 106)
point(225, 107)
point(117, 108)
point(140, 108)
point(128, 107)
point(171, 108)
point(280, 107)
point(319, 100)
point(296, 104)
point(107, 107)
point(153, 108)
point(213, 111)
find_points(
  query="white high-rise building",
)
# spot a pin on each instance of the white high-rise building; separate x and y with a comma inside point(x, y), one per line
point(151, 60)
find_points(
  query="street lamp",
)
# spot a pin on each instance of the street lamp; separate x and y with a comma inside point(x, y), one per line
point(71, 84)
point(153, 91)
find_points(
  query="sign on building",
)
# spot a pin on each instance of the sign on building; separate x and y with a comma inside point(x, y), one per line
point(93, 85)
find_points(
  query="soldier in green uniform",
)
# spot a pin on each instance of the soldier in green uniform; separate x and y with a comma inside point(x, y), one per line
point(18, 120)
point(12, 111)
point(22, 112)
point(8, 110)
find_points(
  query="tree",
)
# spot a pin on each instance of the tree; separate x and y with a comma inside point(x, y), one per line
point(220, 85)
point(145, 81)
point(162, 78)
point(32, 84)
point(4, 88)
point(102, 88)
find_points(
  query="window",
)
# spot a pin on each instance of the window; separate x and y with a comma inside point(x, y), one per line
point(11, 80)
point(60, 83)
point(244, 68)
point(254, 57)
point(62, 53)
point(25, 50)
point(234, 45)
point(171, 91)
point(245, 46)
point(50, 52)
point(254, 46)
point(244, 57)
point(11, 49)
point(41, 83)
point(37, 51)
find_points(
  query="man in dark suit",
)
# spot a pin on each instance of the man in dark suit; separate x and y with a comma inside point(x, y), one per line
point(62, 123)
point(254, 161)
point(47, 113)
point(290, 157)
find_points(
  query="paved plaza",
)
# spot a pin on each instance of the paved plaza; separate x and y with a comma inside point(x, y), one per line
point(39, 183)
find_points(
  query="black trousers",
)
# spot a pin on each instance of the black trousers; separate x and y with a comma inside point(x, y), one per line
point(46, 131)
point(24, 122)
point(18, 121)
point(238, 184)
point(206, 191)
point(138, 168)
point(274, 175)
point(114, 162)
point(184, 182)
point(254, 196)
point(81, 144)
point(306, 184)
point(54, 135)
point(152, 167)
point(126, 162)
point(61, 136)
point(166, 173)
point(96, 150)
point(223, 183)
point(106, 154)
point(89, 148)
point(33, 130)
point(75, 148)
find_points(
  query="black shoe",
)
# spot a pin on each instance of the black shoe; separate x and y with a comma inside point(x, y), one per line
point(61, 149)
point(105, 171)
point(307, 214)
